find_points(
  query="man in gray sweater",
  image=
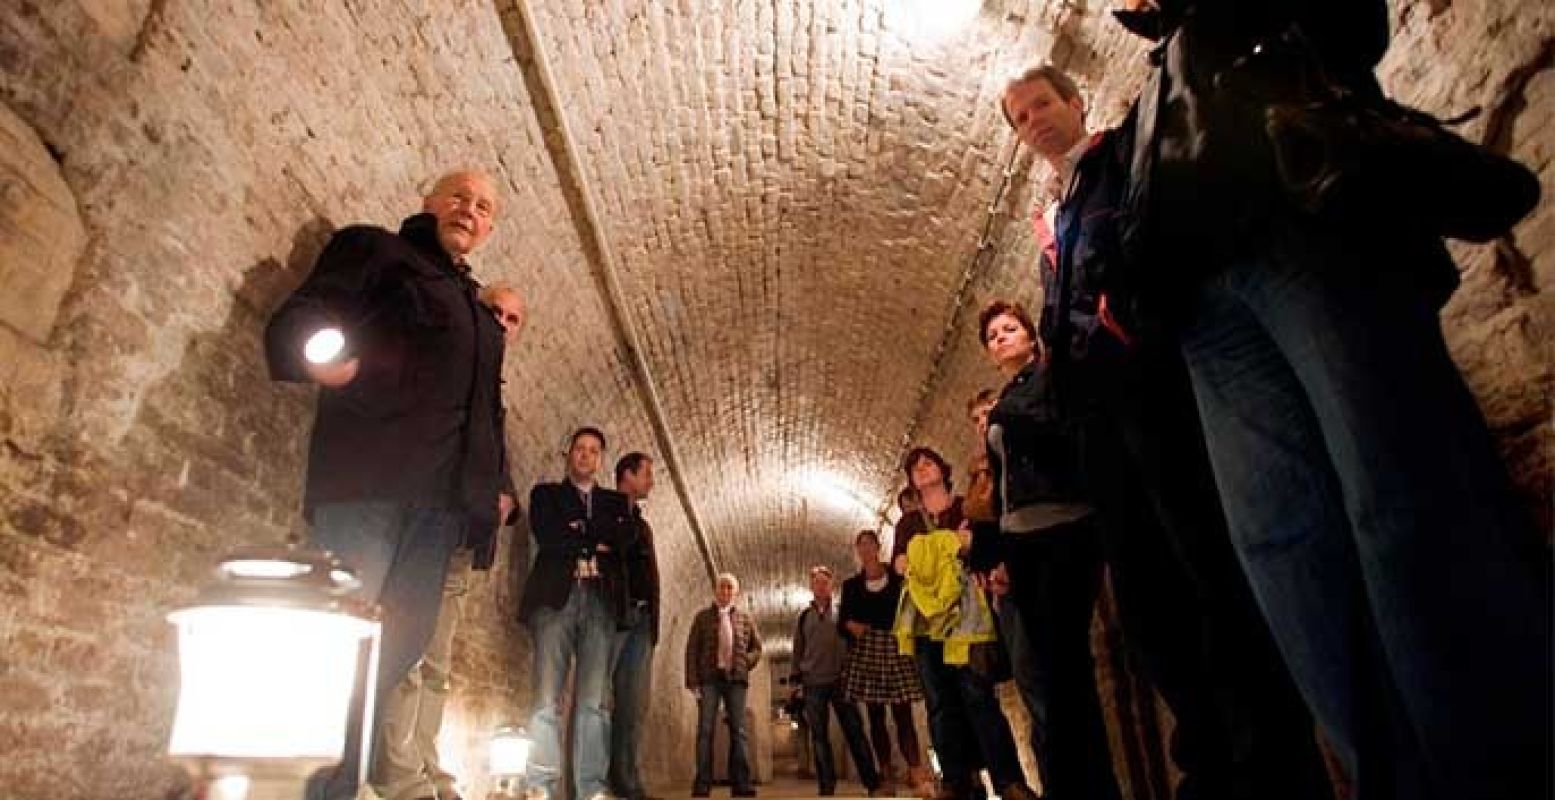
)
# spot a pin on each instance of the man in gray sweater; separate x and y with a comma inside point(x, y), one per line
point(819, 652)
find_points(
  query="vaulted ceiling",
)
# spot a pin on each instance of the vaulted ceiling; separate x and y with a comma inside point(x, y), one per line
point(789, 198)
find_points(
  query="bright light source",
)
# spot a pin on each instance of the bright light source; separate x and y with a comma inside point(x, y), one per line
point(230, 787)
point(832, 490)
point(264, 682)
point(937, 20)
point(509, 755)
point(324, 346)
point(263, 568)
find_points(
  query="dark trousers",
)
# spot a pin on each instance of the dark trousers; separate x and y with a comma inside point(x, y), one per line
point(731, 694)
point(880, 734)
point(819, 702)
point(1054, 577)
point(965, 722)
point(1188, 615)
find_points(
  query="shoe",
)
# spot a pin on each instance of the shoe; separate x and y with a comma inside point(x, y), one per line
point(826, 793)
point(882, 791)
point(749, 791)
point(700, 791)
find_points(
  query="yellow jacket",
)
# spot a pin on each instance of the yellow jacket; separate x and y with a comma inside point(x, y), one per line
point(941, 602)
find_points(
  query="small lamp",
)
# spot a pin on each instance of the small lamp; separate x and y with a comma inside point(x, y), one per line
point(508, 760)
point(325, 346)
point(268, 655)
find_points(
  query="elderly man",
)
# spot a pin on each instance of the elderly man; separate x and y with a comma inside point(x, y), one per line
point(721, 650)
point(408, 767)
point(407, 460)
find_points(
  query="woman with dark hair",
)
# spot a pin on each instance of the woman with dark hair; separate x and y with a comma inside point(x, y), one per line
point(874, 671)
point(1050, 547)
point(965, 721)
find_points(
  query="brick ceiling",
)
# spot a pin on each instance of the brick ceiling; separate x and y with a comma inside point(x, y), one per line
point(794, 192)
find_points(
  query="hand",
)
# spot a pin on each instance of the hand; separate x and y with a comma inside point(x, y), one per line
point(696, 691)
point(333, 375)
point(601, 548)
point(505, 505)
point(856, 628)
point(964, 535)
point(899, 564)
point(999, 581)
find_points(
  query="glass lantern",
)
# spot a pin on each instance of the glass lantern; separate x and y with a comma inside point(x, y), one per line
point(268, 655)
point(508, 760)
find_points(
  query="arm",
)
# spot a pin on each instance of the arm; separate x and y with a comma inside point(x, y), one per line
point(547, 523)
point(848, 619)
point(334, 293)
point(753, 652)
point(795, 675)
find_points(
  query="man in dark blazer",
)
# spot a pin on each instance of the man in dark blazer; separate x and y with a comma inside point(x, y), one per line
point(632, 668)
point(574, 600)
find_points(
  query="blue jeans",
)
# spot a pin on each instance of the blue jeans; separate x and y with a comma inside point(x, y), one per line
point(818, 703)
point(631, 675)
point(732, 695)
point(400, 554)
point(1375, 520)
point(965, 721)
point(583, 629)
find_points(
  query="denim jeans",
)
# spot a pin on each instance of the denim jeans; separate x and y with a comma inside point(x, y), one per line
point(965, 722)
point(631, 677)
point(401, 556)
point(819, 701)
point(731, 694)
point(1375, 519)
point(584, 629)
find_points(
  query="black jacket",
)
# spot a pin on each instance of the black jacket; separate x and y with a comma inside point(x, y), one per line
point(1039, 461)
point(642, 572)
point(564, 531)
point(421, 424)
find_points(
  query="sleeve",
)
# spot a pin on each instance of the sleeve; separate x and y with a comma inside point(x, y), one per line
point(692, 640)
point(848, 610)
point(795, 674)
point(333, 294)
point(902, 532)
point(505, 473)
point(545, 521)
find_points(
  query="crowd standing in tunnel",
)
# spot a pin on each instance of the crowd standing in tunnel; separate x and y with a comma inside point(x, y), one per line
point(402, 472)
point(575, 601)
point(632, 667)
point(816, 676)
point(721, 650)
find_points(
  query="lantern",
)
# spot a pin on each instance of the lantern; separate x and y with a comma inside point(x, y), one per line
point(509, 759)
point(268, 655)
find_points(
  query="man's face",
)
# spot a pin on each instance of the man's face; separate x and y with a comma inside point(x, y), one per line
point(1044, 121)
point(867, 549)
point(465, 205)
point(583, 457)
point(509, 309)
point(724, 592)
point(820, 586)
point(637, 484)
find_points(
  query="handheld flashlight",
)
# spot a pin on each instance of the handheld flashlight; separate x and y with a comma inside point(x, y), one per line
point(325, 346)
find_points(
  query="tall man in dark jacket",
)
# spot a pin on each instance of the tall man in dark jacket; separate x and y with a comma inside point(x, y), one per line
point(574, 599)
point(1241, 731)
point(1407, 589)
point(407, 459)
point(632, 667)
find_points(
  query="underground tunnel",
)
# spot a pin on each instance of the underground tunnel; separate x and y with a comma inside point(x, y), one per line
point(752, 239)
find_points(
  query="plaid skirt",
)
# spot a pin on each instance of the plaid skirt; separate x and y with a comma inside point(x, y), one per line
point(875, 672)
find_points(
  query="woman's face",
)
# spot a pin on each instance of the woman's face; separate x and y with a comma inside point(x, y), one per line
point(867, 550)
point(1007, 341)
point(926, 473)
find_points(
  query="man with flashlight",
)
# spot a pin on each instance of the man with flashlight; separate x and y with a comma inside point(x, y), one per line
point(407, 460)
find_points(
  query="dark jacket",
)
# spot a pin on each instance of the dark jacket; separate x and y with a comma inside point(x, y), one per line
point(1034, 454)
point(642, 572)
point(702, 648)
point(421, 424)
point(564, 531)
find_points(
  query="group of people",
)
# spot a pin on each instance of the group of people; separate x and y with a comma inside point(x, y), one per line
point(1242, 412)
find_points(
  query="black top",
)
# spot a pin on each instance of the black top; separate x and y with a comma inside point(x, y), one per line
point(915, 522)
point(875, 609)
point(567, 527)
point(642, 571)
point(421, 423)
